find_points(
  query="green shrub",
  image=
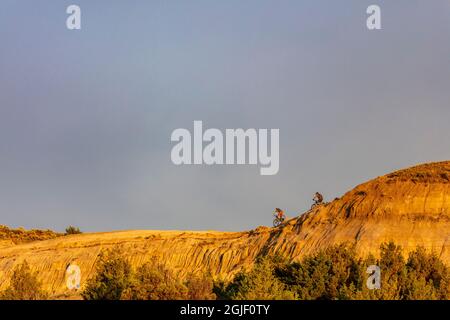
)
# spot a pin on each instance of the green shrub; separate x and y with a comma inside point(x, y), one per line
point(332, 273)
point(261, 283)
point(113, 276)
point(153, 281)
point(427, 277)
point(200, 287)
point(24, 285)
point(21, 235)
point(115, 279)
point(72, 230)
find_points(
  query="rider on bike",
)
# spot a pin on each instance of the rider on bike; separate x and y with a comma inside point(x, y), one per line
point(318, 198)
point(280, 214)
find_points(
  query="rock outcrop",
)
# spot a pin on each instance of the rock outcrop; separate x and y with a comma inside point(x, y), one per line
point(410, 207)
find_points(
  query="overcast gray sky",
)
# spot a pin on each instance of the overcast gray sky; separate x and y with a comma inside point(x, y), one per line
point(86, 116)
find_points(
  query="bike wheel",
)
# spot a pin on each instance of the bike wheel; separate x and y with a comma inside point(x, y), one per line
point(276, 222)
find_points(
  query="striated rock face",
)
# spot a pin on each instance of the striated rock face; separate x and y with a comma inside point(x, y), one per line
point(410, 207)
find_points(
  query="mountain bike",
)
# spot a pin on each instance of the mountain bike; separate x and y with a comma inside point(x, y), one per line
point(278, 220)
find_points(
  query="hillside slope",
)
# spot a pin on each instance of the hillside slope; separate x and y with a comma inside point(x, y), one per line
point(410, 207)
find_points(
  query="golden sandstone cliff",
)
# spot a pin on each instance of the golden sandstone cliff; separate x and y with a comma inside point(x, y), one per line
point(410, 207)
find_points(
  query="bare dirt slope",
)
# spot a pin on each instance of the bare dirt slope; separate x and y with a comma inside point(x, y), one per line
point(410, 207)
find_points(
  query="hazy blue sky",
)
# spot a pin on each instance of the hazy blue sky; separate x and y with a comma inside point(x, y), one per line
point(86, 116)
